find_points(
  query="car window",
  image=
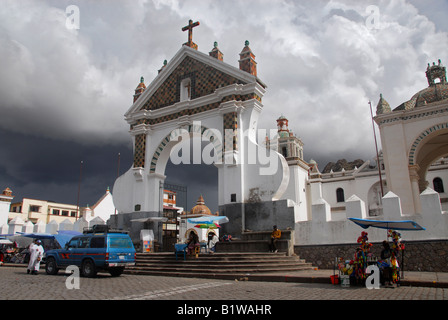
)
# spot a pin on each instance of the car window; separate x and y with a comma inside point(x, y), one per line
point(119, 242)
point(83, 243)
point(73, 243)
point(97, 242)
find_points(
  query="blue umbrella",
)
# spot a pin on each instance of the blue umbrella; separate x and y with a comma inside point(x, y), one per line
point(62, 237)
point(65, 236)
point(39, 236)
point(383, 224)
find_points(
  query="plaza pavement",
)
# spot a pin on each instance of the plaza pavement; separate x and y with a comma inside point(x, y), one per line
point(410, 278)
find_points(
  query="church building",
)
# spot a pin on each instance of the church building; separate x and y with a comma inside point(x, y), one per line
point(266, 181)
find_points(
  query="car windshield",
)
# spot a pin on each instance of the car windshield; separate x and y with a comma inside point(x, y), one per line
point(119, 242)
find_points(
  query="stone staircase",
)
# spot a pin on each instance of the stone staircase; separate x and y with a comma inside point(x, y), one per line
point(225, 265)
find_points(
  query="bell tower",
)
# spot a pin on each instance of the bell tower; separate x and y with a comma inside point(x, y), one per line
point(435, 72)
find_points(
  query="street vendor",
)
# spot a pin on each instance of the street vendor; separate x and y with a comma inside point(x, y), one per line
point(212, 240)
point(385, 264)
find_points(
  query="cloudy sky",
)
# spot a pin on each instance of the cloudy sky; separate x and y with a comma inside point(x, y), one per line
point(64, 91)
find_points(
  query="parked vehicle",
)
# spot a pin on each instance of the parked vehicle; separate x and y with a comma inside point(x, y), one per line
point(96, 249)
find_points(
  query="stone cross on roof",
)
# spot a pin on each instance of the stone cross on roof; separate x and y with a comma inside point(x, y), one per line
point(190, 27)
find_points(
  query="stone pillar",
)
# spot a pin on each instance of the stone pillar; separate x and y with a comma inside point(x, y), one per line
point(80, 224)
point(15, 225)
point(321, 211)
point(391, 206)
point(39, 227)
point(28, 227)
point(52, 227)
point(355, 208)
point(66, 225)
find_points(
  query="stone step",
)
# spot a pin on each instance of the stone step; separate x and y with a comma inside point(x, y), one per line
point(211, 264)
point(251, 268)
point(218, 264)
point(214, 256)
point(201, 271)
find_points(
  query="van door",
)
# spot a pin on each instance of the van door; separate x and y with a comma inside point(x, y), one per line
point(97, 250)
point(78, 253)
point(66, 255)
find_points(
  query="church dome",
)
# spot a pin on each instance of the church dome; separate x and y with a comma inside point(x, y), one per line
point(434, 93)
point(437, 91)
point(200, 208)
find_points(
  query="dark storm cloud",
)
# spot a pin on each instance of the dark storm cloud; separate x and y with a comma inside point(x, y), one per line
point(40, 168)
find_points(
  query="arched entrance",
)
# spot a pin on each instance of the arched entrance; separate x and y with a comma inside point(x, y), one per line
point(432, 144)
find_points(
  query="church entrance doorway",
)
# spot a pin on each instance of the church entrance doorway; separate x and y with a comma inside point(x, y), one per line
point(185, 181)
point(173, 201)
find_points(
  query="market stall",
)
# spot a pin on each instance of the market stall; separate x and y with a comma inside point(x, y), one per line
point(354, 270)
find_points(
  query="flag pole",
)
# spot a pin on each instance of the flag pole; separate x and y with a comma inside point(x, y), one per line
point(79, 190)
point(376, 148)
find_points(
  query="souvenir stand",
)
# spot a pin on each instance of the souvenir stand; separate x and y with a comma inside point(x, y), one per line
point(354, 270)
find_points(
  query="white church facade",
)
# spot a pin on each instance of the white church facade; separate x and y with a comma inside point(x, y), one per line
point(262, 182)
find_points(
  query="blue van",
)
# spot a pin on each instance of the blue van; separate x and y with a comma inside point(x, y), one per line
point(96, 249)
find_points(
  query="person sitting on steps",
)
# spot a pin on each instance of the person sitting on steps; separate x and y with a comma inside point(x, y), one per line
point(275, 235)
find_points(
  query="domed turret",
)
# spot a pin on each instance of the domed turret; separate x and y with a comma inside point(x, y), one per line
point(437, 90)
point(200, 208)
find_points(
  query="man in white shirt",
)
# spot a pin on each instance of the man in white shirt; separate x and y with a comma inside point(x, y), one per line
point(36, 253)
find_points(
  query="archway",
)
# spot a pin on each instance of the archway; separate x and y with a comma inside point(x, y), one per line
point(431, 145)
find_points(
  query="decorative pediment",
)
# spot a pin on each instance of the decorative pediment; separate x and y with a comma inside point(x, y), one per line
point(188, 76)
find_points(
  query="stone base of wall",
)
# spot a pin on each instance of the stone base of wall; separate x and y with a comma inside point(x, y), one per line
point(430, 255)
point(259, 216)
point(258, 242)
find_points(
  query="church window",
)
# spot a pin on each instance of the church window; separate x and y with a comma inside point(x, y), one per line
point(284, 152)
point(340, 195)
point(438, 185)
point(185, 90)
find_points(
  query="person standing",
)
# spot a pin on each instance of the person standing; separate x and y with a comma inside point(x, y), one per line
point(32, 252)
point(36, 254)
point(275, 235)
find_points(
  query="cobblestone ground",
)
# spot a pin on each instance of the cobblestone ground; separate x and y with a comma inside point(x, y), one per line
point(17, 285)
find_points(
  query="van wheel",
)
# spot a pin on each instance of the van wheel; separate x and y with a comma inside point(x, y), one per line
point(116, 271)
point(50, 266)
point(88, 269)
